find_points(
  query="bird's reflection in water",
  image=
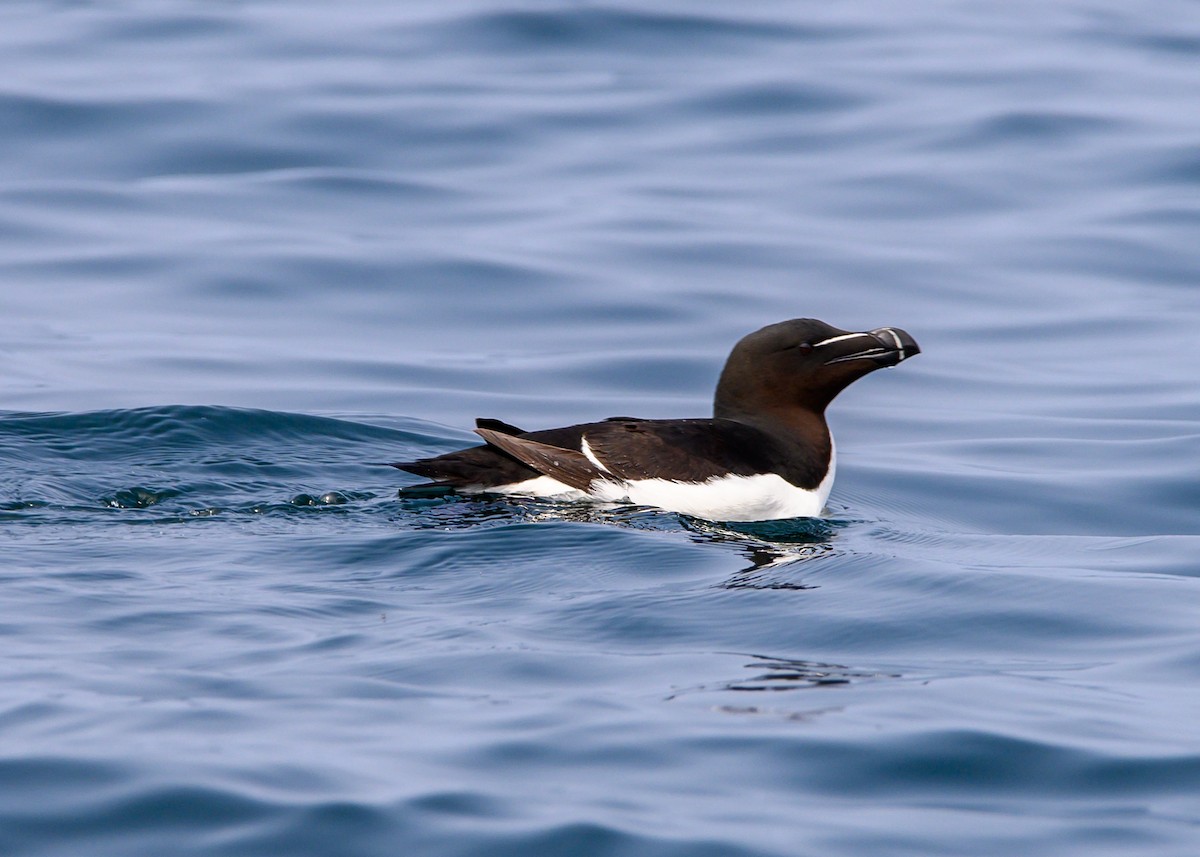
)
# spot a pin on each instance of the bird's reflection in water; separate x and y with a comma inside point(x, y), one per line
point(777, 551)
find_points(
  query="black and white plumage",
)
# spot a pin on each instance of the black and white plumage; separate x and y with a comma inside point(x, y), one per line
point(765, 454)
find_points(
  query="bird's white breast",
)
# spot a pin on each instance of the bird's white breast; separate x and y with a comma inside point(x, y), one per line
point(762, 497)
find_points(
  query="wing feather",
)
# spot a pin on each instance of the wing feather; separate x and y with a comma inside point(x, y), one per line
point(679, 450)
point(566, 465)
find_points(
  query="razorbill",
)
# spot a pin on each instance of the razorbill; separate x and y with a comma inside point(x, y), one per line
point(765, 454)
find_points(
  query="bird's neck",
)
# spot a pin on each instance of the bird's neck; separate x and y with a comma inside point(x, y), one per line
point(798, 425)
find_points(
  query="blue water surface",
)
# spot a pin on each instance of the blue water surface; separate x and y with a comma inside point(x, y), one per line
point(250, 250)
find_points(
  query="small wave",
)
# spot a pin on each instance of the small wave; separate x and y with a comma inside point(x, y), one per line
point(613, 29)
point(183, 463)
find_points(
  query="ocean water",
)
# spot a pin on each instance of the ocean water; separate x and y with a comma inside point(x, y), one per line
point(250, 250)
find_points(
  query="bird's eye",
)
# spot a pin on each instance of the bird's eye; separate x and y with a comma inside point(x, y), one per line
point(805, 348)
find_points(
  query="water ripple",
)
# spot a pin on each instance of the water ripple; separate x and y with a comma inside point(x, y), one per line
point(249, 252)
